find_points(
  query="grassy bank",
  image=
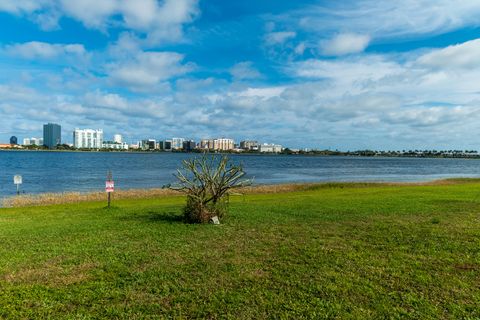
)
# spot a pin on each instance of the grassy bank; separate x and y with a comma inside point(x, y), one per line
point(329, 251)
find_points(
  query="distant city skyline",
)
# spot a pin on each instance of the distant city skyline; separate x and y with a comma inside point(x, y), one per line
point(79, 134)
point(347, 75)
point(94, 139)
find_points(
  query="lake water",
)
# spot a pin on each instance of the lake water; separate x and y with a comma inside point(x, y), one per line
point(77, 171)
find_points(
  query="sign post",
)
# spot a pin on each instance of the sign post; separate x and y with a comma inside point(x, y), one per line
point(109, 186)
point(17, 180)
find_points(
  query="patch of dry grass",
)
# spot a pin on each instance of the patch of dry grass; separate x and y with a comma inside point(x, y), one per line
point(45, 199)
point(75, 197)
point(52, 273)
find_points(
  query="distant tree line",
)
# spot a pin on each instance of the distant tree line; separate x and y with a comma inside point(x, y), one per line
point(358, 153)
point(392, 153)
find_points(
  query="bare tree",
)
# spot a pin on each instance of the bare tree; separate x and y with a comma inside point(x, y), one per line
point(207, 182)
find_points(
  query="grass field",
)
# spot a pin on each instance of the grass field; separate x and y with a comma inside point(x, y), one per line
point(347, 251)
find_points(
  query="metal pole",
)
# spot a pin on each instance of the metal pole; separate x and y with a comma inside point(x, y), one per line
point(18, 189)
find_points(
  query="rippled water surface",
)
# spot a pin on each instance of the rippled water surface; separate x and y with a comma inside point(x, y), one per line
point(77, 171)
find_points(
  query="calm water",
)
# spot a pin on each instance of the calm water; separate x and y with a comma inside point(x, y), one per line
point(75, 171)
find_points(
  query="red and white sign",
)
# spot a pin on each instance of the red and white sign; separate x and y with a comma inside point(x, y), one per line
point(109, 186)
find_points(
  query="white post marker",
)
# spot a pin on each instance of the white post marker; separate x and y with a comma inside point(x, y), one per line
point(17, 180)
point(109, 187)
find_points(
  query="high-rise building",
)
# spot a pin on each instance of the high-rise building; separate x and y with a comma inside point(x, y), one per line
point(217, 144)
point(189, 145)
point(165, 145)
point(13, 140)
point(249, 145)
point(87, 138)
point(148, 144)
point(177, 143)
point(52, 135)
point(152, 144)
point(224, 144)
point(206, 144)
point(117, 138)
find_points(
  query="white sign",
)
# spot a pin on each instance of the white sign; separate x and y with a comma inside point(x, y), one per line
point(17, 179)
point(109, 186)
point(215, 220)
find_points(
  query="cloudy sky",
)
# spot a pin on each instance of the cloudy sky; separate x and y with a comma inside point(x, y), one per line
point(323, 74)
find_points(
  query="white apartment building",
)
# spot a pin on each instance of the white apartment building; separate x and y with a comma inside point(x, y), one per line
point(222, 144)
point(88, 138)
point(117, 138)
point(225, 144)
point(270, 148)
point(115, 145)
point(177, 143)
point(33, 142)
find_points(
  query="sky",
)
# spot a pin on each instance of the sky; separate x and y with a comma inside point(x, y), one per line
point(345, 75)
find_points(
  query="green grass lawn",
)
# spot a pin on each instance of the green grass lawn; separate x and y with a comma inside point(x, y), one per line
point(347, 251)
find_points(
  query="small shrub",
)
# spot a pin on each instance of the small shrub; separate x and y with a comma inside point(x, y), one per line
point(207, 181)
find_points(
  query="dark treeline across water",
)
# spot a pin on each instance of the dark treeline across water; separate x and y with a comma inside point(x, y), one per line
point(86, 171)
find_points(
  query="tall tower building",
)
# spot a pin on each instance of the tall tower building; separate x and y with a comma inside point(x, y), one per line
point(52, 135)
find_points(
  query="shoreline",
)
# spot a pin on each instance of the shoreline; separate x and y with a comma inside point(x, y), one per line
point(47, 199)
point(340, 154)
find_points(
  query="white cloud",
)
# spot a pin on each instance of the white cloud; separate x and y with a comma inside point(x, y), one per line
point(178, 11)
point(139, 14)
point(47, 21)
point(244, 70)
point(204, 85)
point(170, 18)
point(10, 93)
point(126, 45)
point(357, 70)
point(262, 93)
point(384, 19)
point(21, 6)
point(92, 13)
point(275, 38)
point(300, 48)
point(345, 43)
point(148, 69)
point(42, 50)
point(462, 56)
point(159, 20)
point(430, 116)
point(99, 99)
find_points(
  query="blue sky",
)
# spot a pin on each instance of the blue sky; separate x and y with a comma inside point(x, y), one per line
point(320, 74)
